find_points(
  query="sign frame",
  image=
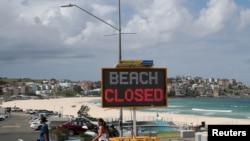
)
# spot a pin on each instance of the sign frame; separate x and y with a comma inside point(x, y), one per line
point(106, 85)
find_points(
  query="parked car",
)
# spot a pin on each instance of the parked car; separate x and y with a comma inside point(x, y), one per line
point(16, 109)
point(2, 116)
point(92, 133)
point(36, 124)
point(4, 113)
point(84, 119)
point(33, 118)
point(75, 126)
point(113, 132)
point(8, 109)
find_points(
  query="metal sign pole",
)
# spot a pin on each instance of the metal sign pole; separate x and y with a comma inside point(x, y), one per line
point(134, 122)
point(120, 58)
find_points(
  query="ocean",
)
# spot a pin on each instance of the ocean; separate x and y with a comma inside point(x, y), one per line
point(238, 108)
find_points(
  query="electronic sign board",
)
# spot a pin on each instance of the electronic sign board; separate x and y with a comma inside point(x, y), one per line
point(134, 87)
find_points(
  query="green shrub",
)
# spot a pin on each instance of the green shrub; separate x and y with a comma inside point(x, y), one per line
point(84, 135)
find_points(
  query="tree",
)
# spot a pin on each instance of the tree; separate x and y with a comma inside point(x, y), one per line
point(1, 91)
point(66, 93)
point(83, 111)
point(77, 88)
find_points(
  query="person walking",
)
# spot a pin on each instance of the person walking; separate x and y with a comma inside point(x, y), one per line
point(44, 132)
point(103, 134)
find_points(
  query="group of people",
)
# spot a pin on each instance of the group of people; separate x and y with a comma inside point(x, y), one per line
point(103, 134)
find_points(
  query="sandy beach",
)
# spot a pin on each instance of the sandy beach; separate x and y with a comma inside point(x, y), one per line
point(70, 106)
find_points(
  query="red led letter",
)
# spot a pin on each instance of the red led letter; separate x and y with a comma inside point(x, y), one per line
point(117, 98)
point(158, 94)
point(107, 93)
point(129, 95)
point(148, 95)
point(139, 95)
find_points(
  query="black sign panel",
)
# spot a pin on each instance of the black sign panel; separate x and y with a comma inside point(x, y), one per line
point(134, 87)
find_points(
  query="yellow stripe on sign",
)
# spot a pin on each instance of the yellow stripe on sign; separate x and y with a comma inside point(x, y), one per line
point(13, 126)
point(130, 61)
point(131, 66)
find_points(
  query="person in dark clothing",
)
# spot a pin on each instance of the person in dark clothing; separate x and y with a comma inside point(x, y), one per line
point(44, 132)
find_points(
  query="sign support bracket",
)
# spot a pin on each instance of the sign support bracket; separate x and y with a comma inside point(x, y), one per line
point(134, 122)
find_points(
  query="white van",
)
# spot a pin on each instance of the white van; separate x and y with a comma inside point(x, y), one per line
point(3, 113)
point(2, 116)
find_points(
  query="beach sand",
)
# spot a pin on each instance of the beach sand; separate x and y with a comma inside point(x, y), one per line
point(70, 106)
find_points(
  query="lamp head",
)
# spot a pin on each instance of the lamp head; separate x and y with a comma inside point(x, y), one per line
point(69, 5)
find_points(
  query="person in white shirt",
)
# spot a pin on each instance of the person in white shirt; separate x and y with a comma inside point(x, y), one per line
point(103, 133)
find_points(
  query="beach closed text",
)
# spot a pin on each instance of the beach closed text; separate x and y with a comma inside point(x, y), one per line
point(128, 87)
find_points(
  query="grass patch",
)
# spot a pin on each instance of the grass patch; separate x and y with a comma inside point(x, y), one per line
point(168, 134)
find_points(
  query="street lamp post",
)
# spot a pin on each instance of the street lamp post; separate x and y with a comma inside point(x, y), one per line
point(120, 45)
point(118, 29)
point(62, 111)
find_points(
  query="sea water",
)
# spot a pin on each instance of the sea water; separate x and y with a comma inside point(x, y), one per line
point(238, 108)
point(232, 107)
point(206, 106)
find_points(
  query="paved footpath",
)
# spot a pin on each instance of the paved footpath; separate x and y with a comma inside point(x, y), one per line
point(16, 128)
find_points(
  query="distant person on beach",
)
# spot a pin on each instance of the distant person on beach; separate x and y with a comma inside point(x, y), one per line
point(102, 131)
point(44, 132)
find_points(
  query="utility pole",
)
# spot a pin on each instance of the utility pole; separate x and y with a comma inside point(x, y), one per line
point(120, 44)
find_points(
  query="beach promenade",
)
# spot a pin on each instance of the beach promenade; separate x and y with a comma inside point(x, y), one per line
point(17, 127)
point(70, 106)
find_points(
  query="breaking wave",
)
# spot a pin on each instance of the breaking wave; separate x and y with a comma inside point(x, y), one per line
point(210, 110)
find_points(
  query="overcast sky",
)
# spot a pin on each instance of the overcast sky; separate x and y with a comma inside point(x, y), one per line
point(206, 38)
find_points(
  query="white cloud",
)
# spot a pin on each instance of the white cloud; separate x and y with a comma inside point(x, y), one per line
point(207, 41)
point(216, 16)
point(244, 20)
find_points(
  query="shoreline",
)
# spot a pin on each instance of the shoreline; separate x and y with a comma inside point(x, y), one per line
point(70, 106)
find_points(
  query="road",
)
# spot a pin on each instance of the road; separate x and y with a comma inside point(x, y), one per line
point(16, 128)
